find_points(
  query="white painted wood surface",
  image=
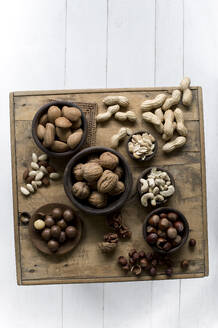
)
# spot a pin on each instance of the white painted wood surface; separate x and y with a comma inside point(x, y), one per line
point(51, 44)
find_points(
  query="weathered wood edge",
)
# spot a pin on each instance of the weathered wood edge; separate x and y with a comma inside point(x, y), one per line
point(14, 189)
point(203, 176)
point(108, 280)
point(58, 92)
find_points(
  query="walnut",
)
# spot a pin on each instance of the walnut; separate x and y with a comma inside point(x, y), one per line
point(97, 199)
point(107, 182)
point(94, 159)
point(92, 171)
point(108, 160)
point(119, 171)
point(107, 247)
point(93, 185)
point(81, 190)
point(78, 172)
point(118, 189)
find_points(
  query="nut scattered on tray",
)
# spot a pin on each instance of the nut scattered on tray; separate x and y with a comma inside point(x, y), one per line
point(57, 228)
point(60, 128)
point(99, 180)
point(156, 187)
point(141, 145)
point(39, 174)
point(165, 231)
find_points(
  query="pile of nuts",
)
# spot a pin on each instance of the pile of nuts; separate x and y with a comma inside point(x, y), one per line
point(38, 175)
point(165, 231)
point(60, 129)
point(167, 117)
point(141, 145)
point(57, 228)
point(99, 179)
point(156, 187)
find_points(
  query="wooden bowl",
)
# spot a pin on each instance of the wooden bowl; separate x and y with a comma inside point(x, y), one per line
point(148, 158)
point(42, 111)
point(144, 175)
point(41, 244)
point(184, 235)
point(117, 202)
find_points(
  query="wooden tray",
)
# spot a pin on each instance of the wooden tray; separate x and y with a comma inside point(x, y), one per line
point(86, 263)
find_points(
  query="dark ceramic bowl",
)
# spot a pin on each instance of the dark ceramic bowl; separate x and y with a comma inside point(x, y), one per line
point(184, 234)
point(41, 244)
point(117, 201)
point(148, 158)
point(144, 175)
point(42, 111)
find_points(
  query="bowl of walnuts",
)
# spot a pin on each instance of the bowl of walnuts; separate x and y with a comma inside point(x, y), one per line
point(59, 128)
point(165, 230)
point(98, 180)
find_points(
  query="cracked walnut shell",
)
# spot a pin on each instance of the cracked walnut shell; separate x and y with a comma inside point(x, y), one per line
point(109, 160)
point(107, 182)
point(92, 171)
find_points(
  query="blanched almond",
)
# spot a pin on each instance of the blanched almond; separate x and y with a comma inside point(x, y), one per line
point(63, 122)
point(72, 113)
point(49, 135)
point(40, 131)
point(59, 146)
point(54, 176)
point(39, 176)
point(63, 134)
point(34, 157)
point(24, 191)
point(30, 187)
point(43, 157)
point(53, 113)
point(34, 166)
point(75, 138)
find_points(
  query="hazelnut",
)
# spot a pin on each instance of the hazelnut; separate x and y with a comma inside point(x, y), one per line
point(131, 252)
point(55, 231)
point(118, 189)
point(39, 224)
point(154, 262)
point(149, 256)
point(144, 263)
point(92, 171)
point(154, 220)
point(169, 272)
point(151, 229)
point(126, 268)
point(119, 172)
point(141, 254)
point(171, 233)
point(167, 246)
point(161, 233)
point(135, 257)
point(163, 215)
point(152, 238)
point(81, 190)
point(71, 232)
point(177, 240)
point(109, 160)
point(136, 269)
point(153, 271)
point(184, 264)
point(53, 245)
point(122, 260)
point(163, 224)
point(49, 221)
point(46, 234)
point(192, 242)
point(131, 261)
point(172, 216)
point(62, 237)
point(62, 224)
point(68, 215)
point(107, 182)
point(161, 242)
point(97, 199)
point(179, 226)
point(78, 172)
point(56, 213)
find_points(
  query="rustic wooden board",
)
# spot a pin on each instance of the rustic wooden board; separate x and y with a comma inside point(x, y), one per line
point(86, 263)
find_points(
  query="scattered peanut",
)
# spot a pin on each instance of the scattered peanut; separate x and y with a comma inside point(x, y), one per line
point(114, 100)
point(116, 138)
point(153, 119)
point(120, 116)
point(109, 113)
point(168, 125)
point(187, 94)
point(159, 113)
point(150, 104)
point(173, 100)
point(180, 127)
point(172, 145)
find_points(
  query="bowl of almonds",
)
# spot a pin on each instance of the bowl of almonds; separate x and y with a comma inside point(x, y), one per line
point(142, 146)
point(98, 180)
point(59, 128)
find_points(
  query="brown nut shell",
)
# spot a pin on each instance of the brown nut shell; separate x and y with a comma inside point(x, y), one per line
point(109, 160)
point(81, 190)
point(78, 172)
point(53, 113)
point(49, 135)
point(63, 134)
point(59, 146)
point(92, 171)
point(71, 113)
point(44, 119)
point(40, 131)
point(74, 139)
point(97, 199)
point(63, 122)
point(118, 189)
point(107, 182)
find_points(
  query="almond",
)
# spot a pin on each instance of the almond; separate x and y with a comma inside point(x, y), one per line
point(59, 146)
point(40, 131)
point(63, 122)
point(77, 124)
point(44, 119)
point(53, 113)
point(49, 135)
point(72, 113)
point(63, 134)
point(74, 138)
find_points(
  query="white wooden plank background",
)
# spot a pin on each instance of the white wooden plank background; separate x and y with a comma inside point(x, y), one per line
point(53, 44)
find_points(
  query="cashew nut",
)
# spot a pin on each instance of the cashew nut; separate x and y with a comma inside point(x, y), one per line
point(169, 192)
point(144, 185)
point(173, 100)
point(158, 101)
point(156, 190)
point(153, 119)
point(116, 138)
point(151, 183)
point(187, 94)
point(145, 198)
